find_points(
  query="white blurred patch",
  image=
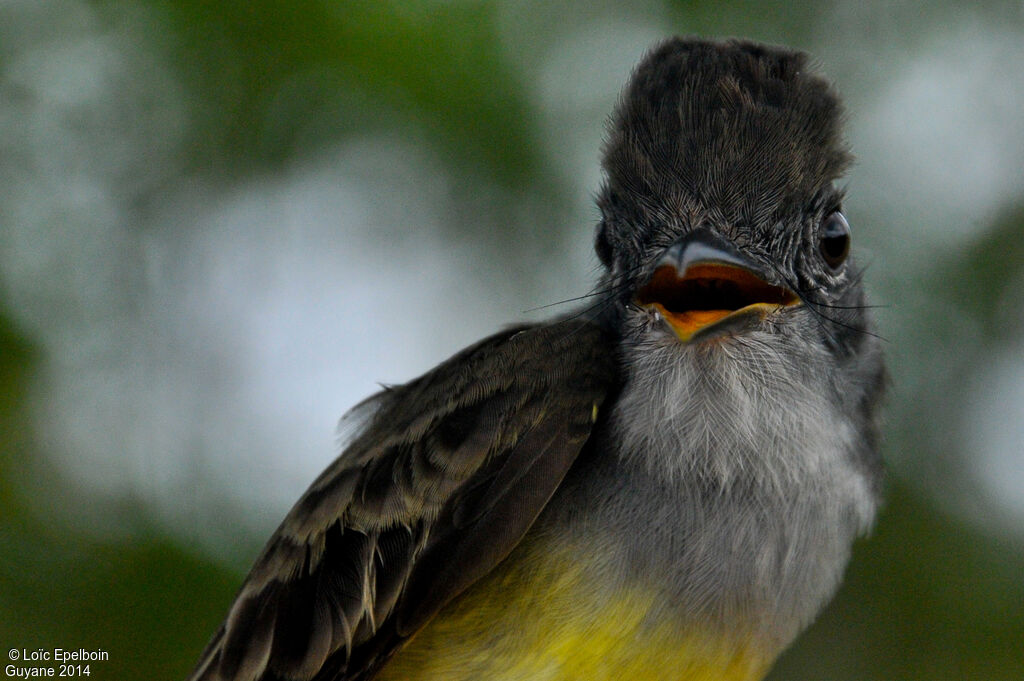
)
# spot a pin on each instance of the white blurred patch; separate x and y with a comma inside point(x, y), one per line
point(578, 85)
point(283, 305)
point(577, 79)
point(81, 134)
point(200, 350)
point(994, 429)
point(939, 146)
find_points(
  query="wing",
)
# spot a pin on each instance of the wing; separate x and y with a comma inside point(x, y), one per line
point(443, 482)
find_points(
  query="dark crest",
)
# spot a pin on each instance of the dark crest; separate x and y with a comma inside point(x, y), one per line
point(742, 131)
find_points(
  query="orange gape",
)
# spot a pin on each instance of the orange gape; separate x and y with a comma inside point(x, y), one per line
point(708, 292)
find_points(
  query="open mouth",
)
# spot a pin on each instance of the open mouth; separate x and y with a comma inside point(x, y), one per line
point(708, 293)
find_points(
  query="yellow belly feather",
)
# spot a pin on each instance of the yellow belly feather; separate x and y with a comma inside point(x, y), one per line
point(538, 617)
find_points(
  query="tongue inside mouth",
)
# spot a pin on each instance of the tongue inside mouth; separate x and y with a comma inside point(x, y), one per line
point(708, 293)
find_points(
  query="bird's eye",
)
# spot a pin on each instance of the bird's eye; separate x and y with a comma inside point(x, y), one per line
point(601, 244)
point(834, 240)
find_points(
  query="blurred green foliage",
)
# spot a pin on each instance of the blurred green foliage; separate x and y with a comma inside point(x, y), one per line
point(929, 597)
point(143, 597)
point(259, 73)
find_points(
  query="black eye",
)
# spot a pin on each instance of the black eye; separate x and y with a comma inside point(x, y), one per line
point(601, 245)
point(834, 240)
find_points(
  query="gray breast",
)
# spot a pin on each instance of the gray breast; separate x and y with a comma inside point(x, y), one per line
point(727, 480)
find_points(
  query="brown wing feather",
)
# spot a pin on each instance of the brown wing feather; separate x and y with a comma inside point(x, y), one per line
point(444, 481)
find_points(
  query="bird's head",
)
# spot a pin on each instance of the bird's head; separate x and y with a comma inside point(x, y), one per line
point(720, 212)
point(728, 271)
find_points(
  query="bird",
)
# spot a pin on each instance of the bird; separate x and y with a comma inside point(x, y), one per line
point(662, 484)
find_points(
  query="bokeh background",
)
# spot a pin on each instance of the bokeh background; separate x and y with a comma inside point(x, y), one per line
point(222, 223)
